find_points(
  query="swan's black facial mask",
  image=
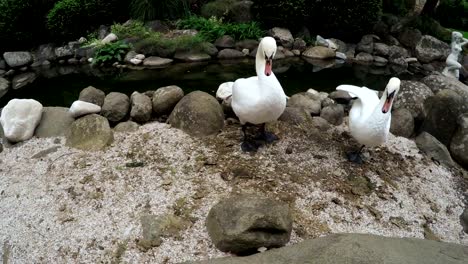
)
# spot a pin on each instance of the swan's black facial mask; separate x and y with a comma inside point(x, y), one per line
point(268, 64)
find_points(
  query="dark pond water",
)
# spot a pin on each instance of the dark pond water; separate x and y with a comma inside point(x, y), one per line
point(60, 86)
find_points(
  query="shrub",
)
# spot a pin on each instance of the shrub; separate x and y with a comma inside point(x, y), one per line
point(22, 23)
point(219, 8)
point(147, 10)
point(134, 29)
point(74, 18)
point(213, 28)
point(430, 26)
point(345, 19)
point(158, 45)
point(110, 53)
point(281, 13)
point(453, 13)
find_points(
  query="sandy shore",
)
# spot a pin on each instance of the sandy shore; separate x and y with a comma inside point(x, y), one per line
point(70, 206)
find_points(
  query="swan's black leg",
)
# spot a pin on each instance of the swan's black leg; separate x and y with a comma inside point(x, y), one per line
point(248, 145)
point(355, 156)
point(267, 136)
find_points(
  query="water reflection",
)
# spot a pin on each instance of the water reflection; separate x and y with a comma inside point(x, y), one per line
point(60, 86)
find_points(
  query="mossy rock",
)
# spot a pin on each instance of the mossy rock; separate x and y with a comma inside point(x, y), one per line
point(91, 133)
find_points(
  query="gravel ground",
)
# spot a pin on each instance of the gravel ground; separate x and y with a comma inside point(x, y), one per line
point(70, 206)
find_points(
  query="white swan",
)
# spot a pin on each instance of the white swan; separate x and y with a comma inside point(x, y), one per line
point(370, 118)
point(259, 99)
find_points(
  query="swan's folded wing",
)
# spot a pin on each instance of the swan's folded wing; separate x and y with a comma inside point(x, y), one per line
point(224, 90)
point(368, 97)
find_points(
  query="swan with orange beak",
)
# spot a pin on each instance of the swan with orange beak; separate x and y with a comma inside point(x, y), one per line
point(369, 117)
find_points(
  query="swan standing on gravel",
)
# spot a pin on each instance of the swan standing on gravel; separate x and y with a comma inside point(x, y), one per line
point(370, 118)
point(259, 99)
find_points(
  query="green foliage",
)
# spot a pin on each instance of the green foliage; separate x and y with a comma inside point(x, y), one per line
point(134, 29)
point(157, 44)
point(453, 13)
point(430, 26)
point(74, 18)
point(344, 19)
point(282, 13)
point(110, 53)
point(22, 22)
point(147, 10)
point(218, 8)
point(214, 28)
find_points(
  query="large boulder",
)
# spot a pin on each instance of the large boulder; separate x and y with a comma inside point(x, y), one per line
point(229, 54)
point(402, 123)
point(366, 44)
point(18, 58)
point(225, 42)
point(319, 52)
point(295, 116)
point(198, 114)
point(45, 52)
point(23, 79)
point(166, 98)
point(141, 107)
point(55, 122)
point(410, 37)
point(19, 119)
point(282, 36)
point(459, 144)
point(116, 107)
point(306, 101)
point(430, 49)
point(244, 223)
point(81, 108)
point(357, 248)
point(91, 133)
point(437, 82)
point(442, 111)
point(412, 96)
point(92, 95)
point(334, 114)
point(434, 149)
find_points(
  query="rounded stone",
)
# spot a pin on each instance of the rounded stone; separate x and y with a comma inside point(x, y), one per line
point(91, 133)
point(92, 95)
point(116, 107)
point(166, 98)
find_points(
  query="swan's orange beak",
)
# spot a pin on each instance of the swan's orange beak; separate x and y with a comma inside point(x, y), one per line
point(388, 103)
point(268, 65)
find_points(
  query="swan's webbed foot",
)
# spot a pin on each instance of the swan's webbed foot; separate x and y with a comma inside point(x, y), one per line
point(266, 136)
point(249, 146)
point(354, 157)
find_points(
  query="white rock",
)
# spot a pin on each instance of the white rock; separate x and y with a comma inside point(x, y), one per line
point(140, 57)
point(82, 40)
point(90, 60)
point(312, 91)
point(246, 51)
point(20, 118)
point(80, 108)
point(109, 38)
point(135, 61)
point(341, 56)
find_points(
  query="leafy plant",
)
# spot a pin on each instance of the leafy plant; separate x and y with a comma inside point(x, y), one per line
point(453, 13)
point(110, 53)
point(159, 45)
point(133, 29)
point(147, 10)
point(213, 28)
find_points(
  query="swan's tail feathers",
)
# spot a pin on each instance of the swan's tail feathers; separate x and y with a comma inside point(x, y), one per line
point(362, 93)
point(224, 91)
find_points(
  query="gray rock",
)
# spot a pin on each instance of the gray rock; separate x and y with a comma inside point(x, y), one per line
point(4, 86)
point(328, 102)
point(398, 52)
point(443, 110)
point(141, 108)
point(23, 79)
point(357, 248)
point(299, 44)
point(340, 56)
point(227, 54)
point(198, 114)
point(85, 52)
point(46, 52)
point(410, 37)
point(129, 56)
point(241, 12)
point(63, 52)
point(340, 97)
point(103, 31)
point(430, 49)
point(440, 82)
point(307, 102)
point(55, 122)
point(90, 133)
point(295, 116)
point(156, 62)
point(341, 45)
point(402, 123)
point(434, 149)
point(249, 44)
point(243, 223)
point(18, 58)
point(128, 126)
point(192, 56)
point(399, 61)
point(319, 52)
point(154, 228)
point(364, 58)
point(209, 49)
point(283, 36)
point(381, 49)
point(380, 61)
point(412, 96)
point(334, 114)
point(116, 107)
point(111, 37)
point(2, 64)
point(464, 220)
point(225, 42)
point(92, 95)
point(166, 98)
point(459, 144)
point(366, 44)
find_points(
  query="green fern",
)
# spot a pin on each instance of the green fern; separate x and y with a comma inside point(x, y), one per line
point(110, 53)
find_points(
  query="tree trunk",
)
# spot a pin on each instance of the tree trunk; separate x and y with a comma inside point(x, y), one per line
point(430, 7)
